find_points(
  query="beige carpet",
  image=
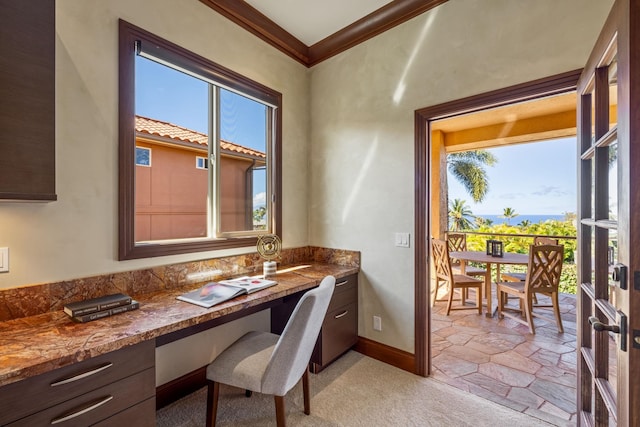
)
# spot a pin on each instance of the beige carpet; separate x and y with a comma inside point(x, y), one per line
point(354, 391)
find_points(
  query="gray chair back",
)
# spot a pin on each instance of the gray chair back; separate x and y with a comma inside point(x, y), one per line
point(293, 351)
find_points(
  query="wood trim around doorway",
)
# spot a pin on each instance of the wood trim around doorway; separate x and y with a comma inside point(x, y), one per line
point(548, 86)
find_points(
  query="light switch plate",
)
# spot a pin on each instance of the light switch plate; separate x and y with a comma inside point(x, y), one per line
point(4, 260)
point(402, 240)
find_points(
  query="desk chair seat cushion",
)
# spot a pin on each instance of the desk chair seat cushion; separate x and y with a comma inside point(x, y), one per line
point(272, 364)
point(243, 363)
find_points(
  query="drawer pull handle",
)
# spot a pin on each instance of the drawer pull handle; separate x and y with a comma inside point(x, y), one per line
point(89, 407)
point(82, 375)
point(344, 282)
point(344, 313)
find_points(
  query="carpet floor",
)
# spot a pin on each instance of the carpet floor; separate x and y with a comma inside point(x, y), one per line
point(354, 391)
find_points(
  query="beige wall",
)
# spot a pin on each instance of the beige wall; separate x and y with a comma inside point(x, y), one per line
point(362, 139)
point(43, 238)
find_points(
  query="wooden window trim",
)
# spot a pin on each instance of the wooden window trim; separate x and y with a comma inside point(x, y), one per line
point(127, 248)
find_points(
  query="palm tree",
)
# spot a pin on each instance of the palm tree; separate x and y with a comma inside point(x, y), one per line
point(468, 167)
point(460, 216)
point(509, 213)
point(525, 223)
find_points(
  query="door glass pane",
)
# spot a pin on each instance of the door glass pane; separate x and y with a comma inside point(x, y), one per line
point(172, 123)
point(593, 188)
point(593, 256)
point(613, 93)
point(243, 154)
point(613, 181)
point(612, 256)
point(592, 121)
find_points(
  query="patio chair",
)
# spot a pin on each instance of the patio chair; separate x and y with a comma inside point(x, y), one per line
point(458, 243)
point(514, 276)
point(445, 275)
point(543, 277)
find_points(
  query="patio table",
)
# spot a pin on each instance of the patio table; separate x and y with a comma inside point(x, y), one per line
point(482, 257)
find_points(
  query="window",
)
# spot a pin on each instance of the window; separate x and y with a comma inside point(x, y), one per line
point(201, 163)
point(143, 156)
point(179, 104)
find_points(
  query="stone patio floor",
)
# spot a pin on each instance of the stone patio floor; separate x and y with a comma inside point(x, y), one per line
point(499, 360)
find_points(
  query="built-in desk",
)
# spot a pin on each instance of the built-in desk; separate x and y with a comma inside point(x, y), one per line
point(32, 347)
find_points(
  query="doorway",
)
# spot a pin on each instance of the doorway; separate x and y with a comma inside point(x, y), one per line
point(426, 199)
point(496, 359)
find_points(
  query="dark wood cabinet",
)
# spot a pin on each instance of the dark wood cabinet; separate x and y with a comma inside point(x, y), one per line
point(27, 100)
point(340, 327)
point(98, 390)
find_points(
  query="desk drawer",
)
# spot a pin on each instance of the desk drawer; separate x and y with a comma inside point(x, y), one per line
point(20, 399)
point(339, 332)
point(97, 405)
point(345, 292)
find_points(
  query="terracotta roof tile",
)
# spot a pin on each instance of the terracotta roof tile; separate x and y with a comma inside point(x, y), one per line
point(145, 125)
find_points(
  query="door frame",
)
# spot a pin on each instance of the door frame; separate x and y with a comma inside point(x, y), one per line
point(548, 86)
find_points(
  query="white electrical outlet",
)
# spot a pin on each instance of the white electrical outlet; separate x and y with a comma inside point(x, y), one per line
point(4, 260)
point(377, 323)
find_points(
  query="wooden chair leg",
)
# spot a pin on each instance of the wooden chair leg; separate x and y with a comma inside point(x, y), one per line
point(556, 311)
point(280, 414)
point(213, 391)
point(450, 302)
point(305, 392)
point(527, 310)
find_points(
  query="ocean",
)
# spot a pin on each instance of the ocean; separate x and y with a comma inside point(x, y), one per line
point(533, 219)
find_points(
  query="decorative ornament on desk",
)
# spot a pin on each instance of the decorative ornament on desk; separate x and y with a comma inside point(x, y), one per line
point(269, 247)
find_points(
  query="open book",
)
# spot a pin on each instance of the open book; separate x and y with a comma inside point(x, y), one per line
point(216, 292)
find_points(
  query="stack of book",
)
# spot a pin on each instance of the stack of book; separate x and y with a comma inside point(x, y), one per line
point(97, 308)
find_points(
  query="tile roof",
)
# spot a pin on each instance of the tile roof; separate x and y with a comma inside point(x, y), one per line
point(153, 127)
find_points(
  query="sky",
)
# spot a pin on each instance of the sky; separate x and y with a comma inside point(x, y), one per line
point(533, 179)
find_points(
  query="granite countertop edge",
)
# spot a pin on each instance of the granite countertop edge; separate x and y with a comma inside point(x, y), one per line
point(35, 345)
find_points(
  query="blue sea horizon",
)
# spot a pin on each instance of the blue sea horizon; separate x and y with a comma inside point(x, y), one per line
point(533, 219)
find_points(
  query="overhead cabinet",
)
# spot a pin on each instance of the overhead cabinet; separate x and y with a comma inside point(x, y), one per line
point(27, 100)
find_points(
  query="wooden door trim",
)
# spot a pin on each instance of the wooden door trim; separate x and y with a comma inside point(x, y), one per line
point(553, 85)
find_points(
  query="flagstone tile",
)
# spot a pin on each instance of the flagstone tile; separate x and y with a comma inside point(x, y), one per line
point(488, 383)
point(453, 366)
point(545, 357)
point(516, 361)
point(560, 396)
point(501, 400)
point(494, 343)
point(551, 419)
point(459, 339)
point(526, 348)
point(526, 397)
point(501, 361)
point(506, 375)
point(558, 375)
point(554, 410)
point(468, 354)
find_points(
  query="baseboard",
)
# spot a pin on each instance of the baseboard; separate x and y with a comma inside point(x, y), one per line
point(180, 387)
point(387, 354)
point(195, 380)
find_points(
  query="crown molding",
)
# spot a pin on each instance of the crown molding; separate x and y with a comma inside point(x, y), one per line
point(377, 22)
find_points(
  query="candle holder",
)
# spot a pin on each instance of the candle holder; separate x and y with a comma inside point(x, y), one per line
point(498, 249)
point(495, 248)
